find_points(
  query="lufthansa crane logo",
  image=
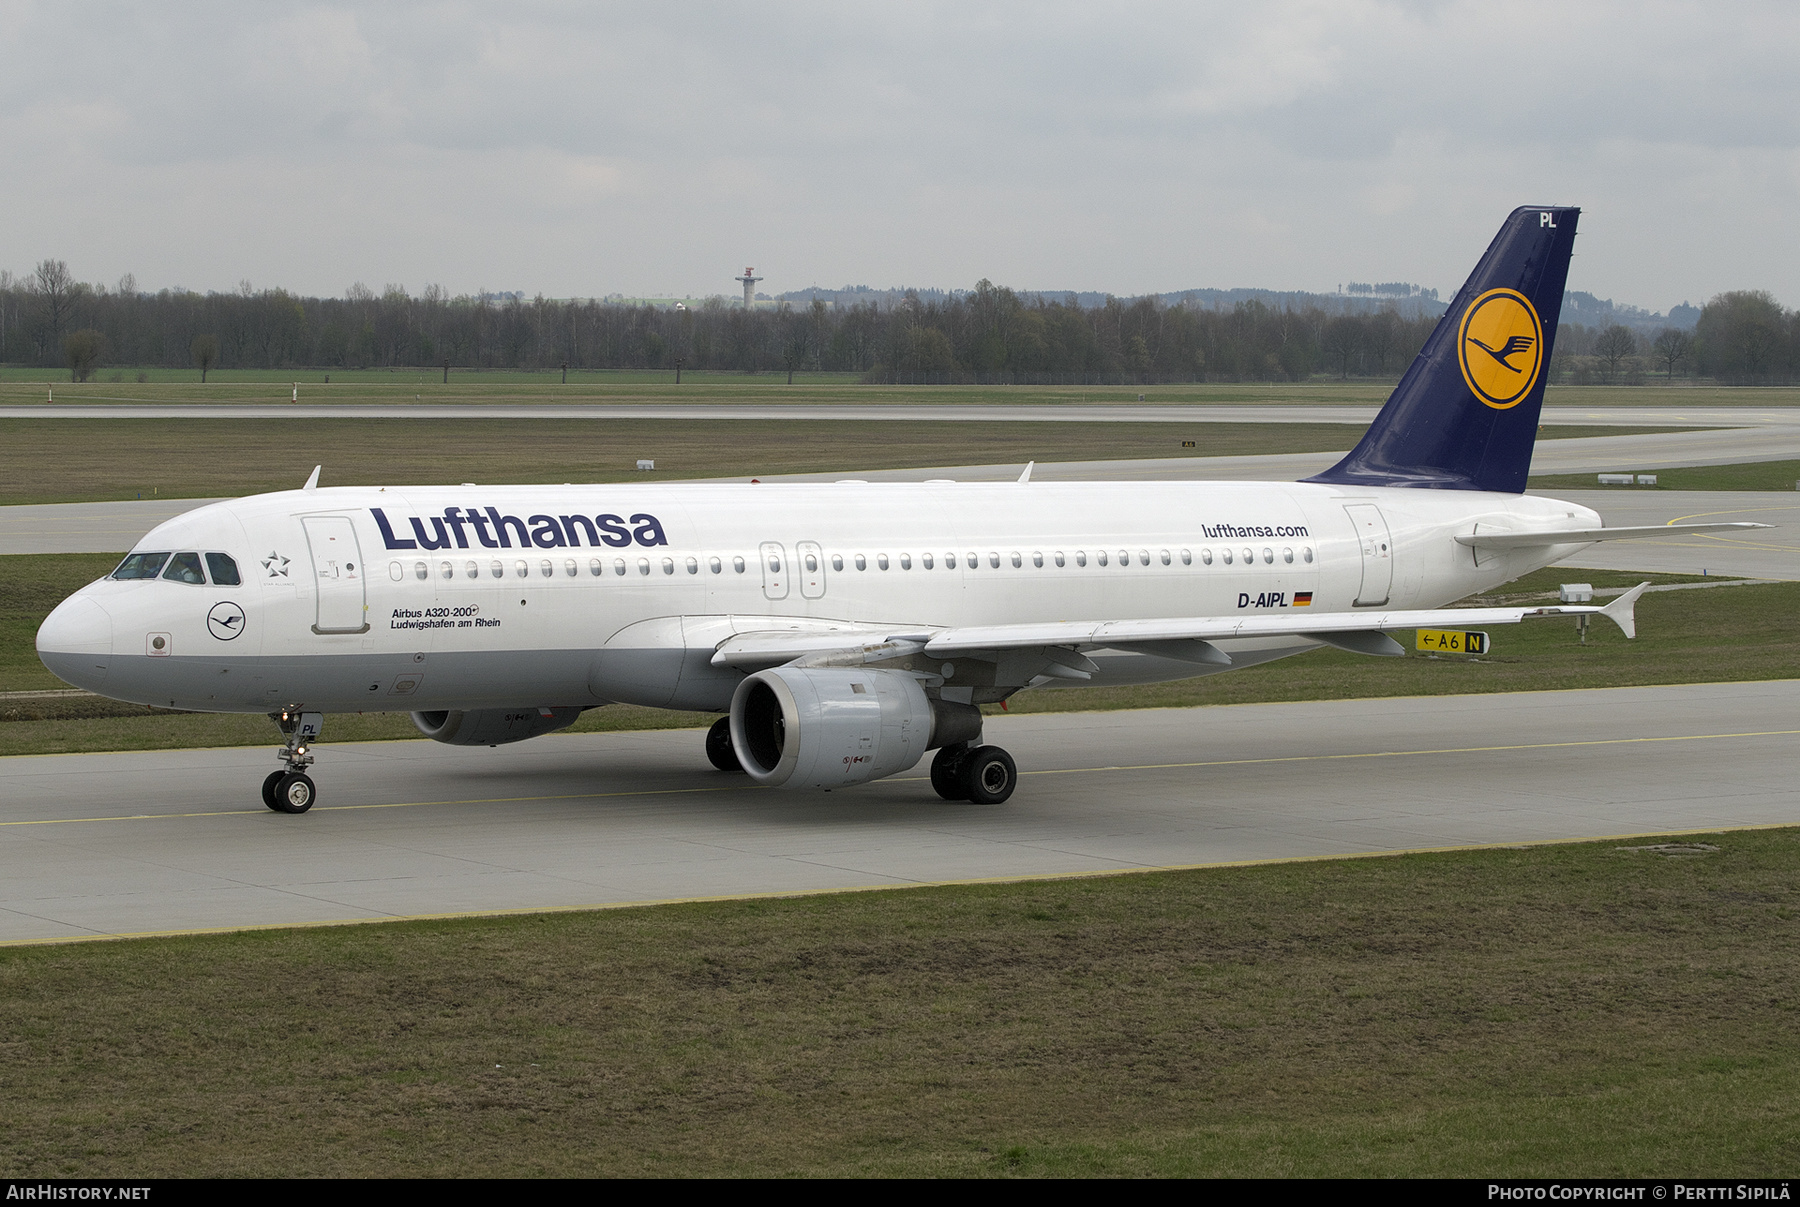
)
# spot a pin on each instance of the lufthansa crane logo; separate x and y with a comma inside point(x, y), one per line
point(1500, 345)
point(225, 621)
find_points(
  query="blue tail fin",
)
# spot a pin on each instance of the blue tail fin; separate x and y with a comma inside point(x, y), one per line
point(1465, 415)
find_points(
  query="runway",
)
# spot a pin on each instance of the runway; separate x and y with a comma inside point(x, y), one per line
point(173, 841)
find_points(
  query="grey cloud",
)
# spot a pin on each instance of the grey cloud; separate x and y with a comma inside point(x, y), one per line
point(581, 148)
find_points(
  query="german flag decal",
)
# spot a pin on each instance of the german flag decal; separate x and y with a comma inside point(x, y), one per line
point(1303, 599)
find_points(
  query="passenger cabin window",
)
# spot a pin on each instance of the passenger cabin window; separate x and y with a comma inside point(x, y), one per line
point(185, 568)
point(225, 572)
point(141, 565)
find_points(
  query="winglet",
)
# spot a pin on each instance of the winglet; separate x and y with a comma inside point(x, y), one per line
point(1026, 476)
point(1621, 611)
point(312, 479)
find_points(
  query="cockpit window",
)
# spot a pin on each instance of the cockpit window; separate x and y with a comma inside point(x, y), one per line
point(185, 568)
point(141, 565)
point(224, 570)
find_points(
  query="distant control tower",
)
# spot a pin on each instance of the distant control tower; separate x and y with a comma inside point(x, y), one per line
point(749, 280)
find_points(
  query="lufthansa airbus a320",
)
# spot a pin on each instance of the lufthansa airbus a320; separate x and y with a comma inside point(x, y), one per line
point(843, 631)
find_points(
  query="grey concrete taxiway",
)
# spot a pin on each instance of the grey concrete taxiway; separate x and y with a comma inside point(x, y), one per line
point(114, 844)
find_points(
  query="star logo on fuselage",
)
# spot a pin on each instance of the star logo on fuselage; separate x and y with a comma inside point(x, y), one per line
point(276, 565)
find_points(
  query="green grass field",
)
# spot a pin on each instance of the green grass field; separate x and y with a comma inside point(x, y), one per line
point(1749, 475)
point(398, 386)
point(1585, 1010)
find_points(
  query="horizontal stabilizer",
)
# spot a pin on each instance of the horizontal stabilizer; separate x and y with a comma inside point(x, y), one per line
point(1623, 610)
point(1584, 536)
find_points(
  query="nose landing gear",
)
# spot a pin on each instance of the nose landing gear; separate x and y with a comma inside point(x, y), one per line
point(291, 790)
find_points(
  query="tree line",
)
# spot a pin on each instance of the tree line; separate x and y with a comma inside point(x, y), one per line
point(990, 334)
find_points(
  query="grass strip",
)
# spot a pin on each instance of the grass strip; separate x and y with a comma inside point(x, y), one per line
point(1623, 1008)
point(115, 385)
point(1748, 475)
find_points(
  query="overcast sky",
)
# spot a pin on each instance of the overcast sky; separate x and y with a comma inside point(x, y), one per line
point(584, 149)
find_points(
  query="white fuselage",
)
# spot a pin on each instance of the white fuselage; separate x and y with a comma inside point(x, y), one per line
point(581, 595)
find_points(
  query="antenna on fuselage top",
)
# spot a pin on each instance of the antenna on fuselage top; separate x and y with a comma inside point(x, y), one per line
point(312, 480)
point(1026, 476)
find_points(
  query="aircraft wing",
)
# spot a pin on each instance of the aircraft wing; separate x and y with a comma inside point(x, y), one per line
point(1501, 539)
point(1318, 625)
point(1185, 638)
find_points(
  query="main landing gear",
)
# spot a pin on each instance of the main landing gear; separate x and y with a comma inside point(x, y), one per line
point(290, 790)
point(982, 774)
point(718, 747)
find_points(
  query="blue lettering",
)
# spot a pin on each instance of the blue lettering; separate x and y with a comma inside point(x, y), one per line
point(587, 526)
point(502, 522)
point(496, 531)
point(1243, 600)
point(425, 542)
point(387, 534)
point(649, 530)
point(546, 533)
point(481, 528)
point(613, 530)
point(453, 517)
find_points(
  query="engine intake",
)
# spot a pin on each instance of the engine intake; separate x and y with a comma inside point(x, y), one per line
point(832, 727)
point(493, 726)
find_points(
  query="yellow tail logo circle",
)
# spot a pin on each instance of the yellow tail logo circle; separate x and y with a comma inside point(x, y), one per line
point(1500, 345)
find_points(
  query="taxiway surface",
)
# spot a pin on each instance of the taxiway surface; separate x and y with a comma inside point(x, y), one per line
point(115, 844)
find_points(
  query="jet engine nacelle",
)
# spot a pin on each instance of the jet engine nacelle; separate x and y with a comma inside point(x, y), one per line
point(831, 727)
point(493, 726)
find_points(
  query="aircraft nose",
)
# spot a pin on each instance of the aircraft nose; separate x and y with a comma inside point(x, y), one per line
point(75, 642)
